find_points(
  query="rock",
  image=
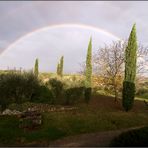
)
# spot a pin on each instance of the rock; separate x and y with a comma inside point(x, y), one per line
point(7, 112)
point(10, 112)
point(62, 108)
point(15, 112)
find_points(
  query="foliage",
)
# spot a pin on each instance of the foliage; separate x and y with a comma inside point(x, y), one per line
point(58, 69)
point(131, 56)
point(61, 66)
point(87, 94)
point(128, 95)
point(44, 95)
point(24, 106)
point(56, 87)
point(142, 91)
point(73, 90)
point(36, 68)
point(133, 138)
point(73, 95)
point(88, 72)
point(130, 71)
point(110, 67)
point(17, 87)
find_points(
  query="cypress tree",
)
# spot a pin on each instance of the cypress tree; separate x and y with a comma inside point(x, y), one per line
point(58, 69)
point(88, 72)
point(61, 66)
point(128, 93)
point(36, 68)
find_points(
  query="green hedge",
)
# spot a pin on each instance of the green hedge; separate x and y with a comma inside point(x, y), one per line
point(128, 95)
point(56, 87)
point(73, 95)
point(133, 138)
point(88, 94)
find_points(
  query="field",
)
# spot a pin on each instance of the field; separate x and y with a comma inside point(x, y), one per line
point(102, 114)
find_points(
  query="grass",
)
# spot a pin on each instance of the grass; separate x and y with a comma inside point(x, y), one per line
point(11, 135)
point(101, 114)
point(143, 96)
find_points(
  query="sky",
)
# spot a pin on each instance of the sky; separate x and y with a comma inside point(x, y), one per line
point(50, 29)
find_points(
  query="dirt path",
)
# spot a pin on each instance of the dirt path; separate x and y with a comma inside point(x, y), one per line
point(100, 139)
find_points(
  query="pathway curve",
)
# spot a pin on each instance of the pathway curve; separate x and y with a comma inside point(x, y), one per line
point(100, 139)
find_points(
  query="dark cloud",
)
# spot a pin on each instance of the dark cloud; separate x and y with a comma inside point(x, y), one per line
point(18, 18)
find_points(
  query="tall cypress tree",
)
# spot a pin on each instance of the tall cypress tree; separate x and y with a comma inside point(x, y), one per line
point(128, 93)
point(36, 67)
point(61, 66)
point(58, 69)
point(88, 72)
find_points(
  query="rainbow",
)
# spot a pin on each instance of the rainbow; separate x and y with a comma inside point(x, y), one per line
point(88, 27)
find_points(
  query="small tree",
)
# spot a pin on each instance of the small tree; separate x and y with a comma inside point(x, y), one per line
point(88, 72)
point(58, 69)
point(36, 68)
point(61, 66)
point(109, 64)
point(56, 87)
point(17, 88)
point(128, 93)
point(110, 68)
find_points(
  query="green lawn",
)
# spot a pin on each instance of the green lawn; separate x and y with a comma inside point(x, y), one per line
point(101, 114)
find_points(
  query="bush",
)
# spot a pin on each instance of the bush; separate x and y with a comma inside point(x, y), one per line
point(43, 95)
point(56, 87)
point(142, 91)
point(17, 87)
point(24, 106)
point(87, 94)
point(133, 138)
point(73, 95)
point(128, 95)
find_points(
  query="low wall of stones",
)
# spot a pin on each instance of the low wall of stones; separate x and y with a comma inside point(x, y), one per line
point(40, 108)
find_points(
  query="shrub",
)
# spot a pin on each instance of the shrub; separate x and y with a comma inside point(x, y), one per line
point(44, 95)
point(142, 91)
point(128, 95)
point(73, 94)
point(24, 106)
point(87, 94)
point(31, 85)
point(56, 87)
point(134, 138)
point(17, 87)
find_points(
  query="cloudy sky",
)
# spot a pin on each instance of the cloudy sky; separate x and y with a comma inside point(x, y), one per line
point(27, 29)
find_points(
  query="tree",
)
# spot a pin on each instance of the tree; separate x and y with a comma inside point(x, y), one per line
point(109, 65)
point(36, 68)
point(128, 93)
point(17, 88)
point(58, 69)
point(110, 68)
point(61, 66)
point(56, 87)
point(88, 72)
